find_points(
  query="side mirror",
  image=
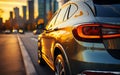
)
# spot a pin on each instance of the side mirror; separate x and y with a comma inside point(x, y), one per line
point(40, 26)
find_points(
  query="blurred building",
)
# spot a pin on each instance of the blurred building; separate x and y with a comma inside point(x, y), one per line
point(11, 15)
point(16, 12)
point(54, 5)
point(48, 5)
point(31, 11)
point(61, 2)
point(40, 9)
point(1, 24)
point(11, 18)
point(24, 8)
point(46, 8)
point(18, 21)
point(1, 21)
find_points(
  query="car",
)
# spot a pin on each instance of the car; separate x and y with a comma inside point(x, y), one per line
point(82, 38)
point(21, 31)
point(15, 31)
point(7, 31)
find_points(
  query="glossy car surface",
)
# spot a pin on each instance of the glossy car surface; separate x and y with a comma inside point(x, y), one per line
point(83, 38)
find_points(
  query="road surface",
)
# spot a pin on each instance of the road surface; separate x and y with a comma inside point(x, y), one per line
point(30, 42)
point(11, 62)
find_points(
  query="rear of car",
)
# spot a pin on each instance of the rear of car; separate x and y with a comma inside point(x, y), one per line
point(21, 31)
point(15, 31)
point(111, 17)
point(82, 39)
point(98, 41)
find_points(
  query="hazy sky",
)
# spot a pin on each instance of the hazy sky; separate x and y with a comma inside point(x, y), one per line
point(7, 5)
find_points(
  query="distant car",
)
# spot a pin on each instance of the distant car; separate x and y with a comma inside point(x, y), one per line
point(14, 31)
point(82, 38)
point(21, 31)
point(7, 31)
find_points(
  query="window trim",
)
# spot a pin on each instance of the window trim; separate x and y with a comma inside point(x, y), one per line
point(56, 14)
point(66, 13)
point(70, 9)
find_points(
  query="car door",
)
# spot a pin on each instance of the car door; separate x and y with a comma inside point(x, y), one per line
point(45, 39)
point(51, 33)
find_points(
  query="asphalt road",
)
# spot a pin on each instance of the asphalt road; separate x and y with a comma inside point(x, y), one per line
point(30, 42)
point(11, 62)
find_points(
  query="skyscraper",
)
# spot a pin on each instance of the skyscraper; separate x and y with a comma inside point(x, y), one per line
point(1, 24)
point(40, 9)
point(24, 13)
point(17, 20)
point(1, 21)
point(16, 11)
point(11, 18)
point(54, 5)
point(48, 5)
point(11, 15)
point(31, 10)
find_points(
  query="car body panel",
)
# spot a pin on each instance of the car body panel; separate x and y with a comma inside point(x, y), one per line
point(108, 20)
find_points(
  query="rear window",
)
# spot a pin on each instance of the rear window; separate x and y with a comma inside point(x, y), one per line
point(107, 8)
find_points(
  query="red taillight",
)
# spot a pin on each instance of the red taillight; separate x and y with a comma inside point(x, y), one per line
point(96, 31)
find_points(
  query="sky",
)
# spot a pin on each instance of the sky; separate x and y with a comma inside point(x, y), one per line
point(7, 5)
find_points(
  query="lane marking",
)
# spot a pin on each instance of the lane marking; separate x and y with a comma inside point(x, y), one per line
point(30, 69)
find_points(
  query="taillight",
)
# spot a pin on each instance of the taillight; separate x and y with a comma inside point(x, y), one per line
point(96, 31)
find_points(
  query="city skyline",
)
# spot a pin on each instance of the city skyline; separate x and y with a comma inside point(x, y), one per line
point(7, 5)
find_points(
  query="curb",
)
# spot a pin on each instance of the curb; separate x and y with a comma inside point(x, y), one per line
point(29, 67)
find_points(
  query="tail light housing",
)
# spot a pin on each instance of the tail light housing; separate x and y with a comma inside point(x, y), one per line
point(96, 31)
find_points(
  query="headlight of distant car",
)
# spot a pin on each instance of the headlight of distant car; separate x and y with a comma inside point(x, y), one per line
point(21, 31)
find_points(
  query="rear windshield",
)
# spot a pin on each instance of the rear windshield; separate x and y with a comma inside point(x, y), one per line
point(107, 8)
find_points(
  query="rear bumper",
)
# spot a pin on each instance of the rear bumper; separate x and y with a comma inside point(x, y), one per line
point(90, 72)
point(78, 67)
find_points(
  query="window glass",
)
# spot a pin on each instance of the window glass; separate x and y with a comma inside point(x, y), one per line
point(66, 14)
point(53, 20)
point(61, 15)
point(73, 9)
point(107, 8)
